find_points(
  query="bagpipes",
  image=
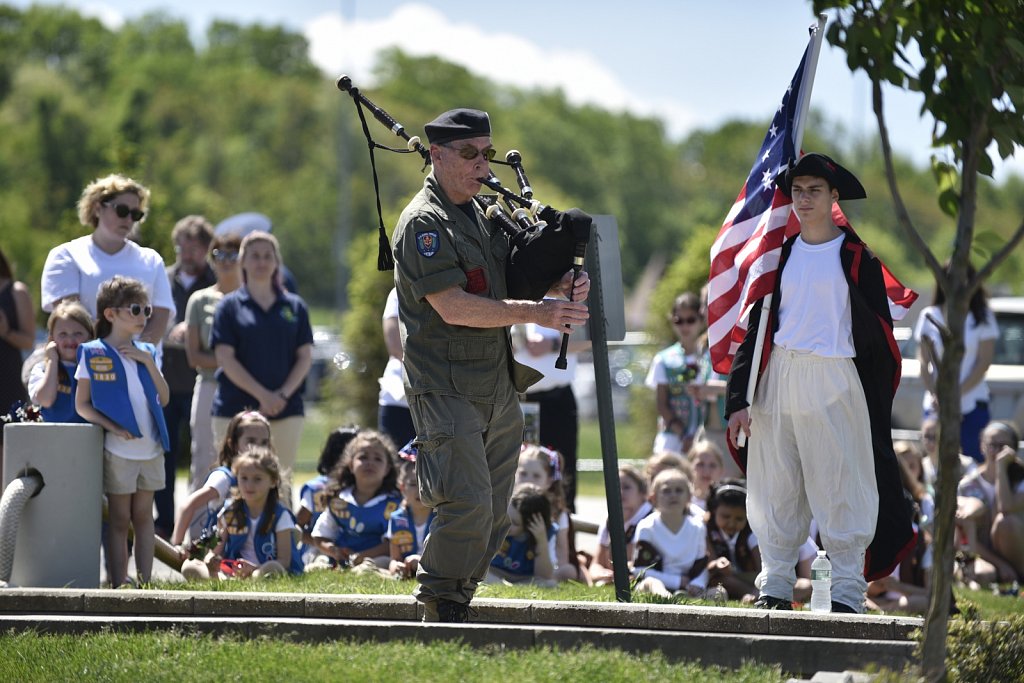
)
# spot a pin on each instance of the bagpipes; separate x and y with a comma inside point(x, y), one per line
point(543, 240)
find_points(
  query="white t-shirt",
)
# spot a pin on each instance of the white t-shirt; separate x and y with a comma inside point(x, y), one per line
point(392, 388)
point(545, 363)
point(79, 267)
point(149, 446)
point(678, 551)
point(814, 308)
point(38, 372)
point(248, 552)
point(974, 334)
point(219, 481)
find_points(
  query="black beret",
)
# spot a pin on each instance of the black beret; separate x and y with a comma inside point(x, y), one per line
point(821, 166)
point(458, 124)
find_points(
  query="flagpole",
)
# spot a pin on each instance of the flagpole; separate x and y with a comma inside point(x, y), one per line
point(801, 116)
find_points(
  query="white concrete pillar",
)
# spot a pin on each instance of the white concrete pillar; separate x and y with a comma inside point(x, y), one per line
point(59, 535)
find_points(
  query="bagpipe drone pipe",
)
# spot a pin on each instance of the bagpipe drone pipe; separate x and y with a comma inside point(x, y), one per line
point(544, 242)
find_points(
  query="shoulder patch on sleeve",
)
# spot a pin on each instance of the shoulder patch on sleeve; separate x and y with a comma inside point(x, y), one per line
point(428, 243)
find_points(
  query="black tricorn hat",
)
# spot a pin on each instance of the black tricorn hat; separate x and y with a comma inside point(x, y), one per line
point(821, 166)
point(458, 124)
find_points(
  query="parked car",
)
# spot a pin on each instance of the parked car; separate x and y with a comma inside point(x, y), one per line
point(1005, 376)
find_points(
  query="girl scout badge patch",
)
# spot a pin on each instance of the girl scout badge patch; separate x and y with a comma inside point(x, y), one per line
point(427, 243)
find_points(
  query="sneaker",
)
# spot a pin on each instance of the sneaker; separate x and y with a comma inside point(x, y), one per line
point(769, 602)
point(842, 608)
point(452, 612)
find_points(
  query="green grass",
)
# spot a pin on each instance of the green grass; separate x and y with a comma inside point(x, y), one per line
point(176, 656)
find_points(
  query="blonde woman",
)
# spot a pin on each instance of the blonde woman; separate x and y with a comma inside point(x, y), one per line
point(111, 206)
point(263, 343)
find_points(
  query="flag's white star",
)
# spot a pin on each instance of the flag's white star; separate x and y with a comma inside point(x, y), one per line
point(773, 131)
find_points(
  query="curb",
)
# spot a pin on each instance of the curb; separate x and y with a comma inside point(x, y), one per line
point(798, 642)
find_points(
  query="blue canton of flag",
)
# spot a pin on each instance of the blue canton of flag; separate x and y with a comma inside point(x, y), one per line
point(745, 256)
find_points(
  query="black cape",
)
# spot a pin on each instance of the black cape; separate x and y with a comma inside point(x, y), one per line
point(878, 366)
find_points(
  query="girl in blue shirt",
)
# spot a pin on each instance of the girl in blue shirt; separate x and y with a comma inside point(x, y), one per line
point(313, 495)
point(120, 388)
point(52, 383)
point(257, 531)
point(527, 552)
point(410, 524)
point(360, 500)
point(199, 514)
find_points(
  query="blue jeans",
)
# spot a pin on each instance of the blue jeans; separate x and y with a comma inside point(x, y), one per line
point(971, 427)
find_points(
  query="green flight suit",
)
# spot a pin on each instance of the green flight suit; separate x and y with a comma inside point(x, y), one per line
point(462, 384)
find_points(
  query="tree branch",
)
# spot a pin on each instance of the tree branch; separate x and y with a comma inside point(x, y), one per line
point(902, 215)
point(1001, 255)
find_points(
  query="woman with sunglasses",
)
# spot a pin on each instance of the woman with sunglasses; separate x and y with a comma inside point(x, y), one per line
point(263, 343)
point(111, 206)
point(223, 258)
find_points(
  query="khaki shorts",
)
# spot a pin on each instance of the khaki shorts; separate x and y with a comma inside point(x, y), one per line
point(122, 476)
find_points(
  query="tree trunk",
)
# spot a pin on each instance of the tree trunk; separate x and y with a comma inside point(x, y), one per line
point(933, 660)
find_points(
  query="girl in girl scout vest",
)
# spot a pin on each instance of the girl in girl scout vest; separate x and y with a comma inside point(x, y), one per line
point(257, 531)
point(360, 500)
point(52, 384)
point(199, 515)
point(120, 388)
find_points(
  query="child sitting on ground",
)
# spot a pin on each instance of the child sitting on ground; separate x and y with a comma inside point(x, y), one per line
point(120, 388)
point(708, 465)
point(542, 467)
point(313, 495)
point(199, 514)
point(670, 553)
point(360, 499)
point(409, 524)
point(257, 531)
point(51, 382)
point(635, 506)
point(734, 560)
point(527, 553)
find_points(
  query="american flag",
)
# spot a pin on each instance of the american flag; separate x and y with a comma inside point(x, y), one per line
point(745, 256)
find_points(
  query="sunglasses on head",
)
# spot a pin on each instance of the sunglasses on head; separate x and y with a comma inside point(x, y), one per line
point(138, 309)
point(684, 321)
point(229, 256)
point(469, 152)
point(123, 211)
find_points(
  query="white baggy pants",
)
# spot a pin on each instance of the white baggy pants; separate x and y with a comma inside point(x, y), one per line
point(810, 456)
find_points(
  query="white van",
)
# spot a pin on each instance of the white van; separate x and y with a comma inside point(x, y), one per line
point(1005, 376)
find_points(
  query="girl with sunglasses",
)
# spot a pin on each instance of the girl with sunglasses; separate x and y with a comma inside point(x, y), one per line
point(112, 206)
point(120, 388)
point(676, 373)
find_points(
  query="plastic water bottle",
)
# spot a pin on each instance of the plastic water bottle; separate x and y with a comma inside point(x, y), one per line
point(821, 584)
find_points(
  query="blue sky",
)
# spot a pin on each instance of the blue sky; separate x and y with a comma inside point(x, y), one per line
point(691, 63)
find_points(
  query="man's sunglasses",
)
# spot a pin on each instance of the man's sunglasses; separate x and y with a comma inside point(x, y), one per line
point(469, 152)
point(138, 309)
point(123, 211)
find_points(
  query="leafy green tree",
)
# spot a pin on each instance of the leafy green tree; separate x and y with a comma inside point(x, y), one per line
point(971, 76)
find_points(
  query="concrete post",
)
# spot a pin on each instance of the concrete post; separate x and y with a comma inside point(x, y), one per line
point(59, 536)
